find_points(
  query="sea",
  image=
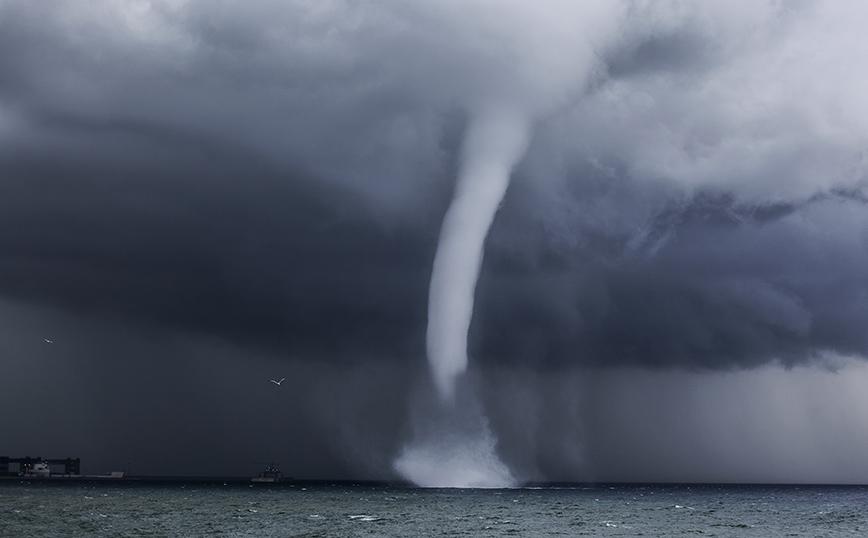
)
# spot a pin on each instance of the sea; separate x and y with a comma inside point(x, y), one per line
point(178, 509)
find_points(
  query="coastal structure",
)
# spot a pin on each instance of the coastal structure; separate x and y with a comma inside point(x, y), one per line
point(39, 466)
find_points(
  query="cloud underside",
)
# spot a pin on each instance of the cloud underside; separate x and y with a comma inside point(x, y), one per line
point(693, 195)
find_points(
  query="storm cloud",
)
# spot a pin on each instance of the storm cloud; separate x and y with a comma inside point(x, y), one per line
point(270, 178)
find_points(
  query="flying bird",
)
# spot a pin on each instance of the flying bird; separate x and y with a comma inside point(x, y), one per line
point(277, 382)
point(48, 341)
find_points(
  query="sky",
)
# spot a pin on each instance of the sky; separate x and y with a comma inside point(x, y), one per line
point(199, 196)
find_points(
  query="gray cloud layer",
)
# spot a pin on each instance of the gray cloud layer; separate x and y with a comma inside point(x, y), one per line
point(222, 168)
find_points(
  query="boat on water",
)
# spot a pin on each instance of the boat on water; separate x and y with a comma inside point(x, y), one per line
point(271, 474)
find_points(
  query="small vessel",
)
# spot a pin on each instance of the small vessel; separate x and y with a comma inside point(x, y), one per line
point(270, 475)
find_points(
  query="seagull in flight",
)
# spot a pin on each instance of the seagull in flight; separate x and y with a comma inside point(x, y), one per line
point(48, 341)
point(277, 382)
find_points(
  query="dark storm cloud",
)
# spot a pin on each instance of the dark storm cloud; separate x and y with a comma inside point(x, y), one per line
point(714, 285)
point(276, 175)
point(267, 261)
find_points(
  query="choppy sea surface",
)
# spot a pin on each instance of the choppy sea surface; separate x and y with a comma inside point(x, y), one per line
point(43, 509)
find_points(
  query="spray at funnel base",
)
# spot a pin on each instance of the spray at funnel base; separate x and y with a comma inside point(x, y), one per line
point(453, 447)
point(495, 141)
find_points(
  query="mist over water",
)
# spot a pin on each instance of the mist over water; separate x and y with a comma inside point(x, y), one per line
point(452, 445)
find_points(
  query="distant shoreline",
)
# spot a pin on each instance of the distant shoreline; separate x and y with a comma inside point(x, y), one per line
point(239, 480)
point(141, 479)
